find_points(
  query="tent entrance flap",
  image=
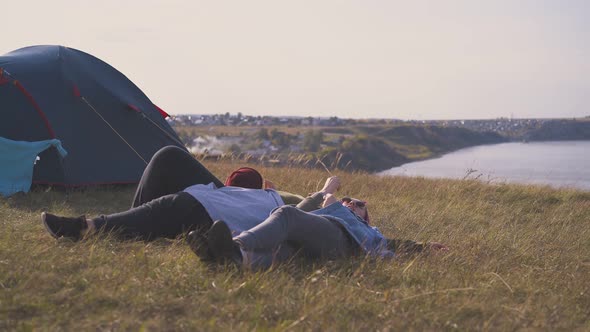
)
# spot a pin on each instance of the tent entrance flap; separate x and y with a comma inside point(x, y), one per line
point(17, 159)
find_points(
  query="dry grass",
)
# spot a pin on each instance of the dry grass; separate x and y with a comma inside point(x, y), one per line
point(519, 259)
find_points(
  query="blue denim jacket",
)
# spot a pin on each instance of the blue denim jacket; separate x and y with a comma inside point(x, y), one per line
point(369, 238)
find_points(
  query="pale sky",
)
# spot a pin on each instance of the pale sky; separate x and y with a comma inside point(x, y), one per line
point(410, 59)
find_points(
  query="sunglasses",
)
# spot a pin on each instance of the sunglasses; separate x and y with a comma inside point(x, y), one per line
point(356, 202)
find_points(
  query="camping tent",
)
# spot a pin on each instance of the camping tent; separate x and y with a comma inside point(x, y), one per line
point(107, 125)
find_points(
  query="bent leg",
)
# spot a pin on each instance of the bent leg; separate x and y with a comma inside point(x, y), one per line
point(167, 216)
point(315, 236)
point(171, 170)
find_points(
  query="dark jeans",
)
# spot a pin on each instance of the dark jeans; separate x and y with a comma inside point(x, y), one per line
point(171, 170)
point(160, 208)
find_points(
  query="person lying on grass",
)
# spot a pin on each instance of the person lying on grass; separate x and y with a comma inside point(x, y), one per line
point(177, 194)
point(340, 229)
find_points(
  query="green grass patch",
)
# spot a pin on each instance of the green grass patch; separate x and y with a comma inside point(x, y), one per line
point(519, 259)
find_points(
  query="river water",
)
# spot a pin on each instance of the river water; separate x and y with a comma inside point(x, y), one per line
point(558, 164)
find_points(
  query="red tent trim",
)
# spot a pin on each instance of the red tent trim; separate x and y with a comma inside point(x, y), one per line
point(36, 106)
point(3, 80)
point(164, 114)
point(49, 183)
point(133, 107)
point(76, 91)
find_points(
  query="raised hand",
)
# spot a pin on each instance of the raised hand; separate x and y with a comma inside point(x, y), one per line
point(331, 186)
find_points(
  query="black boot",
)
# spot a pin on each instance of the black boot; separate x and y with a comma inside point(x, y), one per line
point(63, 226)
point(198, 244)
point(222, 246)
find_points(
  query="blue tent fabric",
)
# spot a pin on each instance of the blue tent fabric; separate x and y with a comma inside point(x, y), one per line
point(17, 159)
point(109, 127)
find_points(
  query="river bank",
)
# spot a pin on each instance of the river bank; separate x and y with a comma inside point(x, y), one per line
point(556, 163)
point(370, 148)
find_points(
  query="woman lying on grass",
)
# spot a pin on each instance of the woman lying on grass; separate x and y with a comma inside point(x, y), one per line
point(177, 194)
point(340, 229)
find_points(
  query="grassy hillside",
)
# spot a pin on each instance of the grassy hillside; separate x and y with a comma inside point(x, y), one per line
point(519, 259)
point(381, 148)
point(363, 147)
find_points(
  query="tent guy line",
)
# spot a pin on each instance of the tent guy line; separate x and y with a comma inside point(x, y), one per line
point(114, 130)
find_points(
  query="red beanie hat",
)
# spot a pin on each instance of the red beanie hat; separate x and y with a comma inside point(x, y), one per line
point(245, 177)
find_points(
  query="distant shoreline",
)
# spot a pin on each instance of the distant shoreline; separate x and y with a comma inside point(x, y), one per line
point(362, 146)
point(514, 162)
point(436, 156)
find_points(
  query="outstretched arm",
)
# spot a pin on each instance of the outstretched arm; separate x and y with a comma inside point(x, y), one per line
point(329, 199)
point(331, 186)
point(316, 200)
